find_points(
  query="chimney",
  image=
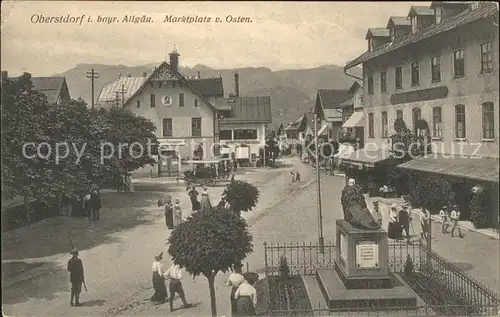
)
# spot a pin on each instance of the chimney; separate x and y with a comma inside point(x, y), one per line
point(145, 74)
point(199, 76)
point(174, 60)
point(5, 75)
point(236, 85)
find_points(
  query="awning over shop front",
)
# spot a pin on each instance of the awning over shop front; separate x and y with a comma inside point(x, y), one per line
point(323, 129)
point(365, 158)
point(355, 120)
point(480, 169)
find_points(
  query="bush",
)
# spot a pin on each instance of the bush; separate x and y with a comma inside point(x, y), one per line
point(480, 209)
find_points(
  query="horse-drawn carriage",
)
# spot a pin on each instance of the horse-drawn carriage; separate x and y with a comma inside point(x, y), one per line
point(207, 172)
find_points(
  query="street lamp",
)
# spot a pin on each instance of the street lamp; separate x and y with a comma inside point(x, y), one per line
point(320, 216)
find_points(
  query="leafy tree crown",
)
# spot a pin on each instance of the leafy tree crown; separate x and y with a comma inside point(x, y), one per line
point(209, 242)
point(242, 196)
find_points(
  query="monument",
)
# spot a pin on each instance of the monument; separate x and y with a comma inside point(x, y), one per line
point(361, 276)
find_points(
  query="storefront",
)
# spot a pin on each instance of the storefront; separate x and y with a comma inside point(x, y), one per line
point(169, 156)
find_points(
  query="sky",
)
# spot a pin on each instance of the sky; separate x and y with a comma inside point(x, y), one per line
point(282, 35)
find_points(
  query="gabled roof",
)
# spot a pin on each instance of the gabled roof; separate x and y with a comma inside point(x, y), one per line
point(355, 85)
point(208, 87)
point(179, 76)
point(297, 124)
point(130, 86)
point(49, 86)
point(460, 19)
point(398, 21)
point(420, 10)
point(250, 110)
point(377, 32)
point(332, 98)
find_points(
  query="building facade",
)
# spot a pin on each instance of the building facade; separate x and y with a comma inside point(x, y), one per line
point(445, 72)
point(329, 109)
point(185, 119)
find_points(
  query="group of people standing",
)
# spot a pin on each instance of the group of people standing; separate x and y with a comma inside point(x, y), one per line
point(450, 215)
point(399, 221)
point(243, 295)
point(174, 275)
point(91, 204)
point(173, 214)
point(196, 205)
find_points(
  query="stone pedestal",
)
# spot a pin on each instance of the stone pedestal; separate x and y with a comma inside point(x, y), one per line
point(362, 259)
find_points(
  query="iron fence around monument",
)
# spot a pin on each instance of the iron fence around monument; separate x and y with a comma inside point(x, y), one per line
point(457, 286)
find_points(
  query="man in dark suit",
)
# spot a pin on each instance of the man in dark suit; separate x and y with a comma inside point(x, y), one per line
point(75, 268)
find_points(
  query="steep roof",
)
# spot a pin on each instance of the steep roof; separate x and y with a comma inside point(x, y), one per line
point(179, 76)
point(420, 10)
point(377, 32)
point(398, 21)
point(249, 110)
point(297, 124)
point(49, 86)
point(208, 87)
point(460, 19)
point(355, 85)
point(332, 98)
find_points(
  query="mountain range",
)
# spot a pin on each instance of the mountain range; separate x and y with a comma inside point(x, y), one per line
point(292, 92)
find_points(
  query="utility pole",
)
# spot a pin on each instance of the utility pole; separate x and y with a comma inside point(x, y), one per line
point(117, 100)
point(92, 75)
point(320, 216)
point(122, 92)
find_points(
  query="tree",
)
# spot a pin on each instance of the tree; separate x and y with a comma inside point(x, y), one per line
point(23, 119)
point(241, 196)
point(209, 242)
point(429, 192)
point(481, 207)
point(271, 151)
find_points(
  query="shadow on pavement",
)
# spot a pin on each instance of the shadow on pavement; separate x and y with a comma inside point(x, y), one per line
point(120, 212)
point(92, 303)
point(18, 286)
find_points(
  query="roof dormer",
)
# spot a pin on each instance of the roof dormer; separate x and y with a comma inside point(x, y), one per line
point(377, 37)
point(420, 17)
point(444, 10)
point(398, 27)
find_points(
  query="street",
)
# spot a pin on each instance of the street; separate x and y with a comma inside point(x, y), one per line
point(118, 250)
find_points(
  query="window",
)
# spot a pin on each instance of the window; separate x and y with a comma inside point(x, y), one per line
point(370, 84)
point(247, 134)
point(414, 27)
point(399, 114)
point(195, 102)
point(383, 81)
point(399, 77)
point(181, 100)
point(438, 14)
point(437, 131)
point(436, 68)
point(460, 122)
point(225, 134)
point(417, 115)
point(173, 84)
point(371, 132)
point(138, 103)
point(458, 63)
point(488, 121)
point(385, 129)
point(195, 126)
point(486, 57)
point(474, 5)
point(415, 74)
point(152, 100)
point(167, 127)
